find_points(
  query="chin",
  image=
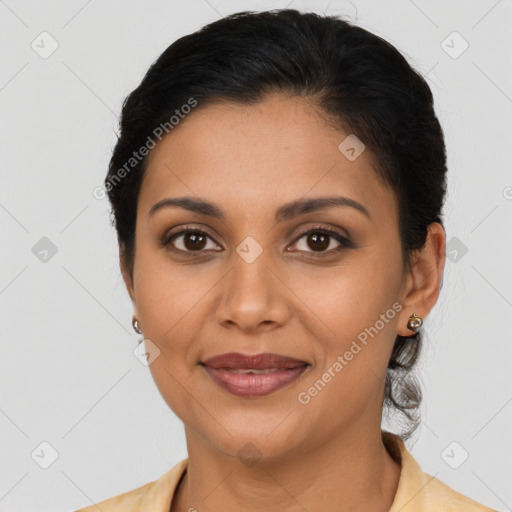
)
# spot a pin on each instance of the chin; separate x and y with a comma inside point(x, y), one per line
point(252, 450)
point(267, 439)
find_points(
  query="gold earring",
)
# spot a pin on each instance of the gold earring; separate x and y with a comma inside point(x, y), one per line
point(135, 324)
point(415, 322)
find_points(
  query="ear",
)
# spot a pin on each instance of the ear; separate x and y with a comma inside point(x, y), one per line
point(125, 271)
point(424, 281)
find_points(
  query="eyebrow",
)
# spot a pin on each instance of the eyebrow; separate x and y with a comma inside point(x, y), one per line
point(285, 212)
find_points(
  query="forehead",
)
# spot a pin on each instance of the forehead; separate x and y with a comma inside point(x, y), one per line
point(264, 154)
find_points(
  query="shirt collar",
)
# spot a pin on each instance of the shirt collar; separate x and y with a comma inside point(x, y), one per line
point(410, 491)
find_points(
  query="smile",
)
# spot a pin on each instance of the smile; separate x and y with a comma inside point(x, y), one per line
point(251, 382)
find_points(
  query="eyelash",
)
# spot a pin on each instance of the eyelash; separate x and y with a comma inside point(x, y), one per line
point(345, 243)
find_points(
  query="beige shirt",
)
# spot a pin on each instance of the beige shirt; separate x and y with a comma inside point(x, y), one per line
point(417, 491)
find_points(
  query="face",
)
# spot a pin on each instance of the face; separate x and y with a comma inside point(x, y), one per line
point(309, 284)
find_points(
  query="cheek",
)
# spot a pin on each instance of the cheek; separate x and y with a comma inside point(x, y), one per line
point(158, 294)
point(352, 359)
point(166, 306)
point(359, 312)
point(171, 302)
point(353, 298)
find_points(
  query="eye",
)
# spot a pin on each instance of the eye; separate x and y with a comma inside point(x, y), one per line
point(188, 240)
point(320, 239)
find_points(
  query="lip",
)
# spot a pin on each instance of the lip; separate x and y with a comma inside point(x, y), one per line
point(283, 371)
point(263, 361)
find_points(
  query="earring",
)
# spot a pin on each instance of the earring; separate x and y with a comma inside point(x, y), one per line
point(415, 322)
point(135, 324)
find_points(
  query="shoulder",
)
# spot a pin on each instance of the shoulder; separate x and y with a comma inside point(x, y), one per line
point(154, 496)
point(130, 500)
point(418, 491)
point(438, 495)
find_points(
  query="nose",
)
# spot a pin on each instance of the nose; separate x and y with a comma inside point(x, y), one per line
point(253, 295)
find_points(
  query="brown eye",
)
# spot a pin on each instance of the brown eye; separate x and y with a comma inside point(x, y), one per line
point(318, 241)
point(322, 241)
point(188, 241)
point(194, 241)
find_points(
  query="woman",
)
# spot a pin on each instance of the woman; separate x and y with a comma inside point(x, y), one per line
point(277, 189)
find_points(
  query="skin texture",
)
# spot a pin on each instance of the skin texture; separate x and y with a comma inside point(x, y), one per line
point(250, 160)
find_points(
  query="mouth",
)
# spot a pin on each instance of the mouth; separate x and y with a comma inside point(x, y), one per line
point(253, 375)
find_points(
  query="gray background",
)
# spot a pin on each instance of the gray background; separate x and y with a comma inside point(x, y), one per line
point(68, 373)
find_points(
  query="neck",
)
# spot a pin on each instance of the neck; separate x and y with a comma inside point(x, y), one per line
point(351, 472)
